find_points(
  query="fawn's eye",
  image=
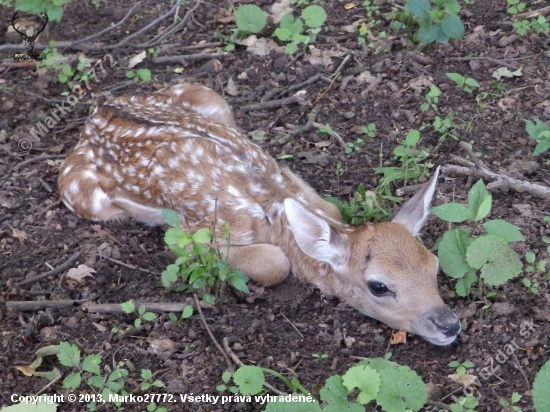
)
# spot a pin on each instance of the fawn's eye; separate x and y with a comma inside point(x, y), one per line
point(378, 289)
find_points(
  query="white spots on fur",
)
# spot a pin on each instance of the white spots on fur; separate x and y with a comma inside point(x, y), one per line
point(67, 170)
point(73, 187)
point(232, 190)
point(90, 155)
point(100, 200)
point(173, 163)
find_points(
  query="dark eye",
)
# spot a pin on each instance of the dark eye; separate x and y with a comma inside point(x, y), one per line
point(378, 289)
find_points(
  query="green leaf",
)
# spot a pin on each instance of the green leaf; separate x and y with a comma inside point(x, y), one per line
point(130, 74)
point(202, 236)
point(146, 374)
point(187, 312)
point(427, 34)
point(284, 406)
point(170, 217)
point(468, 364)
point(149, 316)
point(504, 230)
point(497, 261)
point(55, 13)
point(463, 285)
point(31, 6)
point(472, 83)
point(208, 298)
point(141, 310)
point(144, 75)
point(412, 138)
point(456, 77)
point(336, 396)
point(451, 212)
point(96, 381)
point(366, 379)
point(535, 129)
point(477, 195)
point(249, 379)
point(69, 355)
point(282, 33)
point(91, 363)
point(239, 283)
point(250, 18)
point(452, 27)
point(541, 147)
point(452, 253)
point(72, 381)
point(314, 16)
point(169, 275)
point(128, 307)
point(419, 8)
point(541, 400)
point(177, 236)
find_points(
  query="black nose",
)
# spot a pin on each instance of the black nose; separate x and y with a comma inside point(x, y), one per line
point(446, 321)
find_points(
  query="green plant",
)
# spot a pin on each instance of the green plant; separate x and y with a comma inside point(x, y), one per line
point(411, 163)
point(465, 404)
point(510, 405)
point(516, 6)
point(291, 29)
point(185, 314)
point(154, 51)
point(142, 74)
point(464, 83)
point(541, 400)
point(326, 129)
point(249, 18)
point(432, 98)
point(522, 27)
point(339, 169)
point(369, 130)
point(363, 207)
point(316, 355)
point(461, 367)
point(148, 381)
point(445, 127)
point(200, 265)
point(462, 252)
point(129, 307)
point(436, 24)
point(53, 8)
point(353, 146)
point(538, 25)
point(540, 132)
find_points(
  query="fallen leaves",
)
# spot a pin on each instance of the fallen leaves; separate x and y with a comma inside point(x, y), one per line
point(80, 273)
point(398, 337)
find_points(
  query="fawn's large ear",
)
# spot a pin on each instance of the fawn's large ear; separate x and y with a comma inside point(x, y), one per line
point(314, 236)
point(415, 211)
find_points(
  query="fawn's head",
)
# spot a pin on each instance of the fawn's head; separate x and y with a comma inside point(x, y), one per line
point(380, 269)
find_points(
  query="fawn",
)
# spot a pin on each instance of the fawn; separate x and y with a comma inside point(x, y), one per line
point(179, 148)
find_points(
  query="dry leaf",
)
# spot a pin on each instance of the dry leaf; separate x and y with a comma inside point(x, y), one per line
point(224, 16)
point(264, 46)
point(80, 273)
point(138, 58)
point(398, 337)
point(505, 72)
point(56, 148)
point(27, 370)
point(365, 77)
point(99, 327)
point(19, 234)
point(507, 103)
point(420, 82)
point(465, 380)
point(231, 88)
point(322, 57)
point(350, 6)
point(278, 10)
point(249, 41)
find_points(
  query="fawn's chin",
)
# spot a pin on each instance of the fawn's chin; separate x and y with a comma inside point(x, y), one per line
point(441, 341)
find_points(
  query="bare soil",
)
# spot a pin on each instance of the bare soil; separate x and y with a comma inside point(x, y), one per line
point(286, 324)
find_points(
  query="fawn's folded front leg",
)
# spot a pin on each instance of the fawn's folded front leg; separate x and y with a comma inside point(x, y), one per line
point(264, 263)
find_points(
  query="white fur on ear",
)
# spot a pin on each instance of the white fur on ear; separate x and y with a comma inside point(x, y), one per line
point(415, 211)
point(314, 236)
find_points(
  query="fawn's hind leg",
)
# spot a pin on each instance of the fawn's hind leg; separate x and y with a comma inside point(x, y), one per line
point(264, 263)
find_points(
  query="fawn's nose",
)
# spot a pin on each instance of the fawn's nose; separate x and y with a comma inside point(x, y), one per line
point(445, 321)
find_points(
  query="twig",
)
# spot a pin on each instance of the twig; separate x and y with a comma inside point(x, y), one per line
point(334, 77)
point(521, 370)
point(440, 405)
point(54, 100)
point(292, 324)
point(157, 307)
point(272, 104)
point(36, 159)
point(68, 263)
point(187, 57)
point(34, 305)
point(229, 364)
point(489, 59)
point(238, 362)
point(311, 118)
point(409, 189)
point(535, 13)
point(48, 385)
point(202, 46)
point(373, 85)
point(299, 85)
point(338, 138)
point(501, 182)
point(126, 265)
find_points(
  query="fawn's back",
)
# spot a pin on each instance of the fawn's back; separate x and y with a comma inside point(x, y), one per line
point(179, 149)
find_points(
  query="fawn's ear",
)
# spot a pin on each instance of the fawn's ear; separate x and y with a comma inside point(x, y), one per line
point(314, 236)
point(415, 211)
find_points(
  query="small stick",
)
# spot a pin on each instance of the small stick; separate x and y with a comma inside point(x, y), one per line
point(37, 158)
point(334, 77)
point(187, 57)
point(338, 138)
point(409, 189)
point(54, 100)
point(489, 59)
point(126, 265)
point(34, 305)
point(292, 324)
point(272, 104)
point(300, 85)
point(440, 405)
point(157, 307)
point(68, 263)
point(521, 370)
point(229, 364)
point(529, 15)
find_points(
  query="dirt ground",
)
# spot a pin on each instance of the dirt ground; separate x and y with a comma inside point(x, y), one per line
point(286, 324)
